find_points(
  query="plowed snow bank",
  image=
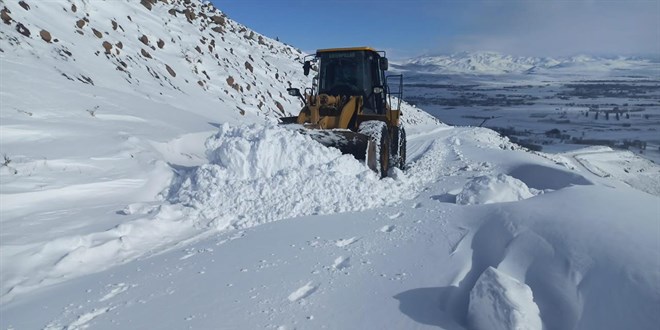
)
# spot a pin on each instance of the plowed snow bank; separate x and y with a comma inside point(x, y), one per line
point(259, 174)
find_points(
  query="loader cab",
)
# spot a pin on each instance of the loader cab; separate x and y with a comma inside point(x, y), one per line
point(354, 72)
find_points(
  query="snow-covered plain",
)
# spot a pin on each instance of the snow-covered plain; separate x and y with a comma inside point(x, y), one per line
point(150, 202)
point(544, 103)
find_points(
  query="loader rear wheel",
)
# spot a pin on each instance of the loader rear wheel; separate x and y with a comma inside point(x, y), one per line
point(378, 147)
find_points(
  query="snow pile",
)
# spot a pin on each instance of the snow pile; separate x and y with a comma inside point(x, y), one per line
point(489, 189)
point(244, 152)
point(500, 302)
point(259, 174)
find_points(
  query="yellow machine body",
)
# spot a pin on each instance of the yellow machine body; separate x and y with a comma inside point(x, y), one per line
point(350, 90)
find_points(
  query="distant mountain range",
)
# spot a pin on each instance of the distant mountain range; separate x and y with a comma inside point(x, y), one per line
point(496, 63)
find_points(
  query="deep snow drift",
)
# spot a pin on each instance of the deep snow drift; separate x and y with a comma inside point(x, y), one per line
point(148, 200)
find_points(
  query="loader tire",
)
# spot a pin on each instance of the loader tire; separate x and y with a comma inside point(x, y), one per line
point(398, 148)
point(378, 147)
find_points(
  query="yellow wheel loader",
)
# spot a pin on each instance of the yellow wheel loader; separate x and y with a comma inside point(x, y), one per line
point(350, 106)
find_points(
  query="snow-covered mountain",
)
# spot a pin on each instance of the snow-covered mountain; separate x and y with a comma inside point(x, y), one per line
point(497, 63)
point(144, 185)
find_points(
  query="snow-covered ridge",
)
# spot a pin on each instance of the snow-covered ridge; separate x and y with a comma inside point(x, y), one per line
point(497, 63)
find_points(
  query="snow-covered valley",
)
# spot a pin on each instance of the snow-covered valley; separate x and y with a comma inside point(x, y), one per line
point(544, 104)
point(148, 199)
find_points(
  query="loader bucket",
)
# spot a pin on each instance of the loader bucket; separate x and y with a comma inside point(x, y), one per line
point(348, 142)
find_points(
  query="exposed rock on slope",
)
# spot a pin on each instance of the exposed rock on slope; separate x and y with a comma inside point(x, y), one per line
point(163, 49)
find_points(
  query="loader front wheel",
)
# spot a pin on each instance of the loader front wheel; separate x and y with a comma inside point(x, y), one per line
point(398, 148)
point(378, 153)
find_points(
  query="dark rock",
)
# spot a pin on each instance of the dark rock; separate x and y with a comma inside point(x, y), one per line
point(24, 5)
point(249, 66)
point(147, 4)
point(218, 20)
point(22, 30)
point(144, 39)
point(280, 106)
point(190, 15)
point(107, 46)
point(45, 35)
point(145, 53)
point(172, 73)
point(4, 14)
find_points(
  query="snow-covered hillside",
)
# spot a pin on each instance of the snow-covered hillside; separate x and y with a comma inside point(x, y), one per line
point(149, 187)
point(496, 63)
point(104, 103)
point(169, 52)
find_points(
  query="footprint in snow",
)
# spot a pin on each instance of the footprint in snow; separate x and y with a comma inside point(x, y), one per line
point(387, 229)
point(193, 252)
point(395, 215)
point(346, 242)
point(115, 289)
point(238, 235)
point(341, 263)
point(303, 292)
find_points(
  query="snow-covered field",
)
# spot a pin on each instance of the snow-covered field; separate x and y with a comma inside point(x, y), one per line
point(544, 103)
point(148, 200)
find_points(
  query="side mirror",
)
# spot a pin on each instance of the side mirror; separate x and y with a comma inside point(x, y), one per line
point(306, 67)
point(295, 92)
point(384, 65)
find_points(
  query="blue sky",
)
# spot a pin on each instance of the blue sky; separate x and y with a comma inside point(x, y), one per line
point(421, 27)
